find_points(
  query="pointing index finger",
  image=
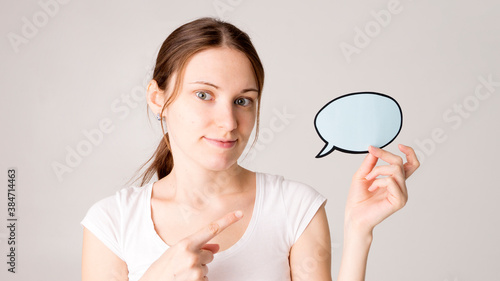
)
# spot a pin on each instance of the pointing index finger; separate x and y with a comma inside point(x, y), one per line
point(208, 232)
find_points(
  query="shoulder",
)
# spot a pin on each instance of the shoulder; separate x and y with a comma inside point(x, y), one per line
point(288, 187)
point(116, 205)
point(300, 202)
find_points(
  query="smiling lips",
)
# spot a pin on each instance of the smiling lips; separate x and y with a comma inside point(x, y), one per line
point(221, 143)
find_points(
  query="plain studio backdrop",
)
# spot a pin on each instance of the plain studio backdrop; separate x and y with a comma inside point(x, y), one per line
point(74, 122)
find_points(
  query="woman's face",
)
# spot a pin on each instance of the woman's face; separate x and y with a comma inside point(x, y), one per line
point(211, 119)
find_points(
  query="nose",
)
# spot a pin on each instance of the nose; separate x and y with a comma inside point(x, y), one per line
point(225, 117)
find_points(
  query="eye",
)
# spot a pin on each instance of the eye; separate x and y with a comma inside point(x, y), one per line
point(243, 101)
point(203, 95)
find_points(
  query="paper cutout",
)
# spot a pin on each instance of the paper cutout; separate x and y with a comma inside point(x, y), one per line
point(352, 122)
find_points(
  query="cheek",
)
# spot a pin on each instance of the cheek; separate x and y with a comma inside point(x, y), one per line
point(247, 122)
point(186, 120)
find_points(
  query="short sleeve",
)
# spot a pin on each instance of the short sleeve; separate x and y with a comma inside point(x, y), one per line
point(301, 202)
point(103, 220)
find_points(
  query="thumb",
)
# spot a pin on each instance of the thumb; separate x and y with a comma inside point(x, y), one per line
point(214, 248)
point(366, 167)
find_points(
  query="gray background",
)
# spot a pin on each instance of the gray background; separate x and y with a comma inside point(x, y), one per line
point(80, 63)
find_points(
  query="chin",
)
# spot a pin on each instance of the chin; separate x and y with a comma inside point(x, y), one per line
point(220, 164)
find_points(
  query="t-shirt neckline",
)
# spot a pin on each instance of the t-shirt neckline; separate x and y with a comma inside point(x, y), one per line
point(236, 246)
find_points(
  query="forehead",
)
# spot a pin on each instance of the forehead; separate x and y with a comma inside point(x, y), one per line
point(222, 66)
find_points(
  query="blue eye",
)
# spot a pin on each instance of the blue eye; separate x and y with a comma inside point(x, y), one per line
point(243, 101)
point(203, 95)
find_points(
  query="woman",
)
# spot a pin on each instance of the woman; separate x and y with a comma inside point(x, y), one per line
point(209, 218)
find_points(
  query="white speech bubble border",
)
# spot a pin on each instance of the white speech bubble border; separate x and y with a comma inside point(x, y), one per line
point(351, 151)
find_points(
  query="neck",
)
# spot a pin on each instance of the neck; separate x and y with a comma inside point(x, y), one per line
point(198, 188)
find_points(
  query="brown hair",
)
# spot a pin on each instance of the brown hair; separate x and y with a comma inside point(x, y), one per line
point(176, 50)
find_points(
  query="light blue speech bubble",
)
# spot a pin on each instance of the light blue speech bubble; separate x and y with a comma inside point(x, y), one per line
point(352, 122)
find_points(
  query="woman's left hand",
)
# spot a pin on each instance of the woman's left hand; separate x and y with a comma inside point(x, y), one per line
point(373, 199)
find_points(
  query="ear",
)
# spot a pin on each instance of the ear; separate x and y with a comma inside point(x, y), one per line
point(155, 97)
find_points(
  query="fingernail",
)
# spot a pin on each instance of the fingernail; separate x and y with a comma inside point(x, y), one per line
point(238, 214)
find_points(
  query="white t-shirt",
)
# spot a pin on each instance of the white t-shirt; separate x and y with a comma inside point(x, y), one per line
point(282, 211)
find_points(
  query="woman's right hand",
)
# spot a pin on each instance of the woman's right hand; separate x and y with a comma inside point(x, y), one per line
point(187, 260)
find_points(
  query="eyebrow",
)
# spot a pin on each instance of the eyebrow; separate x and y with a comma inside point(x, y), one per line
point(217, 87)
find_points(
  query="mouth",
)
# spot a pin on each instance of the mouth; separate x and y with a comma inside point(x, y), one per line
point(222, 143)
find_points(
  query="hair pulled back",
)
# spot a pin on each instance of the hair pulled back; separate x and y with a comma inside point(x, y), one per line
point(176, 50)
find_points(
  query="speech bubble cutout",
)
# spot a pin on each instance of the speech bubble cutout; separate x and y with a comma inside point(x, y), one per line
point(352, 122)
